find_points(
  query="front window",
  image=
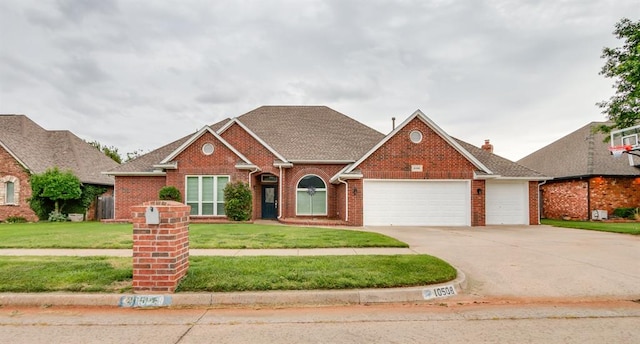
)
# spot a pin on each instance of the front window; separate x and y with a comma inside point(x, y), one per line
point(311, 196)
point(9, 189)
point(205, 194)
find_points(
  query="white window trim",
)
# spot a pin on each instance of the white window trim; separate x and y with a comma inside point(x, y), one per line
point(215, 192)
point(326, 196)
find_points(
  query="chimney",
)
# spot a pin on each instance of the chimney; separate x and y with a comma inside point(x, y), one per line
point(487, 146)
point(393, 123)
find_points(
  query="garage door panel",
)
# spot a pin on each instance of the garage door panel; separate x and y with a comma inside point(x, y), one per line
point(507, 203)
point(416, 203)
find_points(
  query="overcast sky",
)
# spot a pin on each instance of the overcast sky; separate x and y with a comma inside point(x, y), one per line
point(140, 74)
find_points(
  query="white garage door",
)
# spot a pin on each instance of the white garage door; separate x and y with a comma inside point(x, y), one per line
point(507, 203)
point(416, 203)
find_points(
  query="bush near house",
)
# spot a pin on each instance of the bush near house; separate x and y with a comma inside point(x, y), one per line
point(170, 193)
point(237, 201)
point(626, 213)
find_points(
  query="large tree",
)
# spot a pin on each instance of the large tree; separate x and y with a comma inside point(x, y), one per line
point(623, 66)
point(54, 186)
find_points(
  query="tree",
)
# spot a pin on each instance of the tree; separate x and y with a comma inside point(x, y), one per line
point(53, 186)
point(623, 65)
point(110, 151)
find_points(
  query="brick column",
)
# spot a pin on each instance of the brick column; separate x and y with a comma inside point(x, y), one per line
point(160, 251)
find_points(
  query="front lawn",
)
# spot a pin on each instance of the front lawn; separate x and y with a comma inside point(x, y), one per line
point(613, 227)
point(231, 236)
point(218, 274)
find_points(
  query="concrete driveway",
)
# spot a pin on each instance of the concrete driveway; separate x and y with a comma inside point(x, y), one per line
point(533, 261)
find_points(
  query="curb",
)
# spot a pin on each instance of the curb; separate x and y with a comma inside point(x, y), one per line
point(264, 298)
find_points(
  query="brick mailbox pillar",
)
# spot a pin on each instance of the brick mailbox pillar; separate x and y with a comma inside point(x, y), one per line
point(160, 245)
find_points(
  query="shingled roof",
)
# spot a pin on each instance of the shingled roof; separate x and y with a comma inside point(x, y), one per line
point(311, 133)
point(38, 149)
point(500, 166)
point(581, 153)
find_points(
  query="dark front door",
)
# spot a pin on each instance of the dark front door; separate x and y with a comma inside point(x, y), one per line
point(269, 202)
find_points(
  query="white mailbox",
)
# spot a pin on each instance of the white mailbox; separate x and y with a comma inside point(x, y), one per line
point(152, 215)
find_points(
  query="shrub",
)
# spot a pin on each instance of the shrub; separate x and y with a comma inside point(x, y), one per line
point(170, 193)
point(16, 219)
point(625, 213)
point(237, 201)
point(56, 216)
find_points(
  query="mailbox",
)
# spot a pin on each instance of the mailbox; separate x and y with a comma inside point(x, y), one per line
point(152, 215)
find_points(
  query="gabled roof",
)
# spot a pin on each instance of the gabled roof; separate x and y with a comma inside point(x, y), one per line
point(501, 167)
point(206, 129)
point(581, 153)
point(37, 149)
point(144, 164)
point(418, 114)
point(311, 133)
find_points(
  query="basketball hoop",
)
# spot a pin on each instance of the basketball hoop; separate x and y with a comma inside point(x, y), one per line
point(617, 151)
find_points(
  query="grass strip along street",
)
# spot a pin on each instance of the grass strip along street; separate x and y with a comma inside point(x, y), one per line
point(226, 274)
point(612, 227)
point(227, 236)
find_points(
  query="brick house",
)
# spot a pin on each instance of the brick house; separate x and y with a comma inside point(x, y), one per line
point(314, 165)
point(26, 149)
point(586, 177)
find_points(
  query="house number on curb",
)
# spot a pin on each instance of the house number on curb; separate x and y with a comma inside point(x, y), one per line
point(144, 301)
point(435, 292)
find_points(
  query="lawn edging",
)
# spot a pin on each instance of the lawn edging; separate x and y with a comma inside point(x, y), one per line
point(252, 298)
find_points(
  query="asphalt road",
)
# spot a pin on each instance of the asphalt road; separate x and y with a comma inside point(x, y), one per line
point(592, 322)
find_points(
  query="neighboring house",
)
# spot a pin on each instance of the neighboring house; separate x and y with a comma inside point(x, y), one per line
point(26, 149)
point(313, 165)
point(586, 177)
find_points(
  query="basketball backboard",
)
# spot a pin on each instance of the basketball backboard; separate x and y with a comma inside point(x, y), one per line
point(626, 140)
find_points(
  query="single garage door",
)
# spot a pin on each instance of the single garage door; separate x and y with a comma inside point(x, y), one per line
point(507, 202)
point(416, 203)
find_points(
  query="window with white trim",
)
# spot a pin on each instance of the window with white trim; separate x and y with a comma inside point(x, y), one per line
point(205, 195)
point(311, 196)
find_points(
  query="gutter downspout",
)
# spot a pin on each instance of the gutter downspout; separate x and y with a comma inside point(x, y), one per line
point(540, 203)
point(252, 172)
point(346, 199)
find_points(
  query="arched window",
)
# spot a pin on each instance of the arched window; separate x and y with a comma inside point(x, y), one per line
point(311, 196)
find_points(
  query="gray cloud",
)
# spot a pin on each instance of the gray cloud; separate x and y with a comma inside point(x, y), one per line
point(137, 74)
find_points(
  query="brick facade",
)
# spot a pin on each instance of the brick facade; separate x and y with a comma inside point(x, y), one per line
point(12, 171)
point(577, 198)
point(393, 160)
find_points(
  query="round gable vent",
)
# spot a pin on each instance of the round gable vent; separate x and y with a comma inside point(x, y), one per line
point(207, 149)
point(415, 136)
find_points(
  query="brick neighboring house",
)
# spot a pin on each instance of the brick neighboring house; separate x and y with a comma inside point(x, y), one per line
point(314, 165)
point(586, 177)
point(26, 149)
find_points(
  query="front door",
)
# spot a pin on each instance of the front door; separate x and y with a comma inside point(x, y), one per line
point(269, 202)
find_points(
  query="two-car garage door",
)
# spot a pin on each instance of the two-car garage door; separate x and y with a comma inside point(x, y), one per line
point(442, 203)
point(417, 203)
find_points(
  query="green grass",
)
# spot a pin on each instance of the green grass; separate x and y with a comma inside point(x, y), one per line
point(613, 227)
point(270, 236)
point(75, 274)
point(65, 235)
point(218, 274)
point(233, 236)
